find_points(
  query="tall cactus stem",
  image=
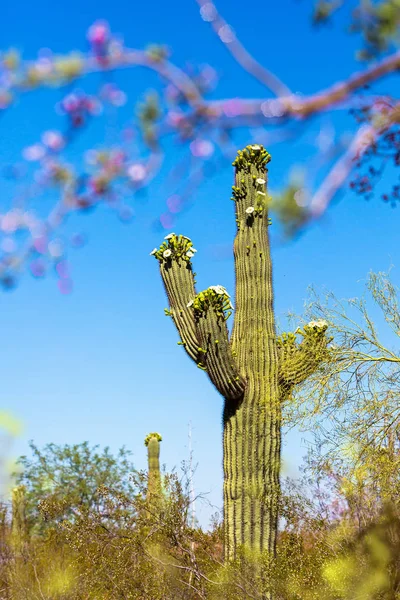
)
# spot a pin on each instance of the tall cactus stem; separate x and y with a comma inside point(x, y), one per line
point(152, 442)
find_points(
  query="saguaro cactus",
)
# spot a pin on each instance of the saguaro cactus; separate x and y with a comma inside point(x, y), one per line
point(152, 441)
point(253, 370)
point(19, 531)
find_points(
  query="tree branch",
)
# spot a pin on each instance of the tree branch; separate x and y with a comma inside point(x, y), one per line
point(225, 32)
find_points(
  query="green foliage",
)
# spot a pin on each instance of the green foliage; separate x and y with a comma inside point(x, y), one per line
point(357, 394)
point(62, 480)
point(158, 556)
point(377, 21)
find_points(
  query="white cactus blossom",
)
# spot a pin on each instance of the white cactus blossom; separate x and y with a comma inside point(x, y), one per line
point(320, 323)
point(260, 180)
point(250, 210)
point(167, 253)
point(189, 304)
point(219, 289)
point(193, 250)
point(189, 254)
point(169, 236)
point(255, 147)
point(261, 193)
point(153, 251)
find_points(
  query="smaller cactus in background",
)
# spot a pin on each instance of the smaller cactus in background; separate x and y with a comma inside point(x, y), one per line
point(19, 529)
point(152, 441)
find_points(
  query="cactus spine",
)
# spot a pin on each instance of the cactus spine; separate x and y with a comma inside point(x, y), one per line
point(253, 370)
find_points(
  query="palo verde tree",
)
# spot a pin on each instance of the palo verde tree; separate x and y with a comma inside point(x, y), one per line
point(352, 405)
point(254, 370)
point(61, 481)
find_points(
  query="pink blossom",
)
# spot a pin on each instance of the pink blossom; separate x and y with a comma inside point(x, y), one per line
point(62, 269)
point(113, 94)
point(202, 148)
point(8, 245)
point(208, 12)
point(166, 220)
point(226, 34)
point(38, 268)
point(55, 248)
point(70, 103)
point(35, 152)
point(40, 244)
point(98, 33)
point(174, 203)
point(174, 118)
point(53, 140)
point(65, 286)
point(10, 222)
point(137, 172)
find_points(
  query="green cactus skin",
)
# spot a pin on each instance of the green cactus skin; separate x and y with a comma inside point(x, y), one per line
point(254, 371)
point(19, 532)
point(152, 442)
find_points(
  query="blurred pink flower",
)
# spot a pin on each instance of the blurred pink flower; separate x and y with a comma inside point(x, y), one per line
point(35, 152)
point(55, 248)
point(98, 33)
point(137, 172)
point(53, 140)
point(40, 244)
point(62, 269)
point(208, 12)
point(174, 118)
point(166, 220)
point(38, 267)
point(8, 245)
point(111, 93)
point(10, 221)
point(44, 66)
point(202, 148)
point(174, 203)
point(65, 286)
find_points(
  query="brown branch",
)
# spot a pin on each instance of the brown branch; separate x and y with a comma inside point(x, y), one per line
point(129, 58)
point(365, 137)
point(340, 91)
point(246, 61)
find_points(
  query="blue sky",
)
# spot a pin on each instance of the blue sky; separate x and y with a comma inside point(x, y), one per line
point(102, 364)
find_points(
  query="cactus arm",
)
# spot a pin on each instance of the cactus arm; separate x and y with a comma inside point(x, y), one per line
point(199, 318)
point(299, 361)
point(211, 310)
point(176, 271)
